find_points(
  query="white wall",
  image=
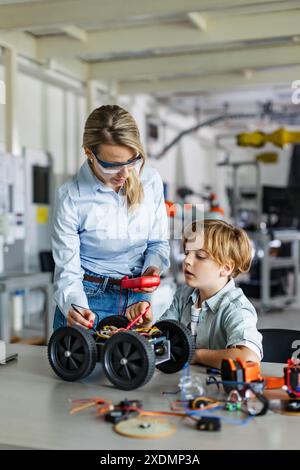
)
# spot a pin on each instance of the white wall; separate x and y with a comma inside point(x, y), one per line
point(29, 113)
point(185, 164)
point(49, 119)
point(81, 117)
point(2, 108)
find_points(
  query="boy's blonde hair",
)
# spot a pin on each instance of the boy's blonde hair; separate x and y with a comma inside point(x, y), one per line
point(223, 242)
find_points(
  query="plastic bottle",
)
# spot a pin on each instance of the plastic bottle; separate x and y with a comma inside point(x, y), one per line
point(191, 387)
point(17, 310)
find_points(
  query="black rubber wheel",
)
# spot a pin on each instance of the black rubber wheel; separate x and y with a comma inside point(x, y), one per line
point(72, 353)
point(128, 360)
point(181, 345)
point(113, 320)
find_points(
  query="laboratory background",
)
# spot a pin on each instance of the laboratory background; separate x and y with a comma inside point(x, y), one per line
point(214, 87)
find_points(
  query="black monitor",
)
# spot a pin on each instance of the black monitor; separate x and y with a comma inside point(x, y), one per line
point(41, 181)
point(284, 203)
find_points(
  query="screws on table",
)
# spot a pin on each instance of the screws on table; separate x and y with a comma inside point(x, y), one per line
point(145, 425)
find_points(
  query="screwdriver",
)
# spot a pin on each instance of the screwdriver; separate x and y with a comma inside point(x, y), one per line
point(91, 322)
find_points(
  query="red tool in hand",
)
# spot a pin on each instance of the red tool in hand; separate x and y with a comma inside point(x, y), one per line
point(91, 322)
point(133, 322)
point(140, 282)
point(129, 283)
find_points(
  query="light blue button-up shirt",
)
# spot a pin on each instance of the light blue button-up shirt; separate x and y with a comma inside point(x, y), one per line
point(94, 229)
point(225, 320)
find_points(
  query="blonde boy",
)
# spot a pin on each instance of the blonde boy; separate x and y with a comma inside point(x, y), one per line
point(221, 318)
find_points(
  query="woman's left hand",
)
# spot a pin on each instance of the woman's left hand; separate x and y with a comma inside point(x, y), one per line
point(151, 271)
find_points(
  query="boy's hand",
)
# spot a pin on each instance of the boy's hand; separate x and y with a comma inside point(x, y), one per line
point(86, 318)
point(135, 310)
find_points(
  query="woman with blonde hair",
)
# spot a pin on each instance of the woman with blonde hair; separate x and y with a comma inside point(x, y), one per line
point(109, 222)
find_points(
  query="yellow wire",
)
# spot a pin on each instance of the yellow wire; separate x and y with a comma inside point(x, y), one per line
point(151, 330)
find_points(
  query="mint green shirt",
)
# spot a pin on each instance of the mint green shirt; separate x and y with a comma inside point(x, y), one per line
point(225, 320)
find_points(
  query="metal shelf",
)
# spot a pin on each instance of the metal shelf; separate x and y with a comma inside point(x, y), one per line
point(282, 262)
point(268, 263)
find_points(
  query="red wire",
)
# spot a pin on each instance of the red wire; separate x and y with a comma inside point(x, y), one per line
point(139, 316)
point(120, 300)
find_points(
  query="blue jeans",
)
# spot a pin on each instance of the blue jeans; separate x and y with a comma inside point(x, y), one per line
point(104, 300)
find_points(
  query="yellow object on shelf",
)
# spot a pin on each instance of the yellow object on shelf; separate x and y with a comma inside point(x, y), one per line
point(267, 158)
point(42, 215)
point(257, 139)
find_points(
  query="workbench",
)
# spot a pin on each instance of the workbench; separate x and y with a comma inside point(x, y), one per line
point(34, 411)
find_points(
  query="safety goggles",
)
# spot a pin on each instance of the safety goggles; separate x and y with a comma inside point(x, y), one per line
point(111, 168)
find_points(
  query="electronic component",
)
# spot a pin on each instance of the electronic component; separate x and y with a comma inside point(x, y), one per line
point(140, 282)
point(255, 404)
point(130, 403)
point(292, 378)
point(234, 401)
point(124, 410)
point(292, 406)
point(115, 416)
point(201, 403)
point(167, 345)
point(240, 373)
point(208, 423)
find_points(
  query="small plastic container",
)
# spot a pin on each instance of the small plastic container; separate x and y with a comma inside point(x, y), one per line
point(191, 387)
point(17, 311)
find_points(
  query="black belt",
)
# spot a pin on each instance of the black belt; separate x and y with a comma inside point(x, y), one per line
point(117, 282)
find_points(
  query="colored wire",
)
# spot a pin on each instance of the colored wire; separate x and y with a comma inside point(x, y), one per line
point(120, 300)
point(200, 413)
point(83, 404)
point(133, 322)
